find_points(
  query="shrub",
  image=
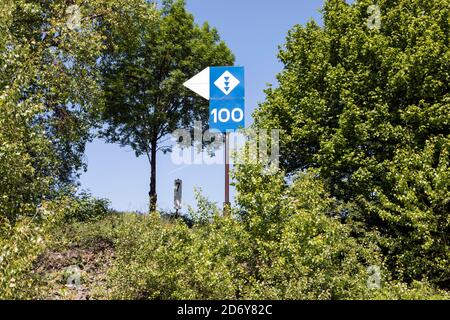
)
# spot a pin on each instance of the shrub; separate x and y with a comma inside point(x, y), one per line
point(20, 245)
point(78, 208)
point(303, 249)
point(26, 159)
point(157, 260)
point(205, 211)
point(307, 256)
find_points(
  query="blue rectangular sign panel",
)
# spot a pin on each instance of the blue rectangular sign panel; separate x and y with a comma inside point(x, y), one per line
point(227, 98)
point(227, 83)
point(227, 114)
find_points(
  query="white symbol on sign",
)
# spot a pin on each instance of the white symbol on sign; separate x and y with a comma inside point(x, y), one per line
point(227, 82)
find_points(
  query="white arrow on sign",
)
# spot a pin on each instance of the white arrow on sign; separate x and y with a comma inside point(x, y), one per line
point(199, 83)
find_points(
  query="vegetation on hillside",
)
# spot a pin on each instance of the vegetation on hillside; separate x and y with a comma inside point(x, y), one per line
point(359, 209)
point(368, 110)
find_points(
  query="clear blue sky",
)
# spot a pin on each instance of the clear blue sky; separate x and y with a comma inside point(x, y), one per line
point(253, 29)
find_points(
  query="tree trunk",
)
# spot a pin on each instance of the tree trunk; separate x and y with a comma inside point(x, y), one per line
point(152, 193)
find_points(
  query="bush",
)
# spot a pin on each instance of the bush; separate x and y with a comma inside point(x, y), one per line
point(415, 291)
point(206, 210)
point(300, 249)
point(26, 159)
point(20, 245)
point(80, 208)
point(160, 260)
point(284, 241)
point(303, 249)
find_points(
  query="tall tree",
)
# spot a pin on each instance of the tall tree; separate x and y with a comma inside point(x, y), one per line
point(50, 90)
point(143, 77)
point(57, 60)
point(366, 100)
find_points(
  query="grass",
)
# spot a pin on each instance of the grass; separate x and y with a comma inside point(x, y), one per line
point(84, 248)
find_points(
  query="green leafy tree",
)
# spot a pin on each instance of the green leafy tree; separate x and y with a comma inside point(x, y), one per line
point(28, 164)
point(48, 95)
point(50, 92)
point(51, 64)
point(367, 103)
point(50, 51)
point(145, 98)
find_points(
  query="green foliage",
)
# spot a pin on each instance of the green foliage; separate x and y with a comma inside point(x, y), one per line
point(20, 245)
point(156, 260)
point(366, 147)
point(49, 66)
point(307, 252)
point(50, 93)
point(24, 241)
point(53, 67)
point(368, 108)
point(205, 211)
point(151, 68)
point(78, 208)
point(27, 161)
point(310, 256)
point(300, 249)
point(286, 240)
point(420, 204)
point(415, 291)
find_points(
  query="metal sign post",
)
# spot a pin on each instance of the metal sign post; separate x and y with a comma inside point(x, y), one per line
point(224, 87)
point(227, 205)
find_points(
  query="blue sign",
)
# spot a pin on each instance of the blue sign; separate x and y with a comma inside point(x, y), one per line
point(225, 88)
point(227, 98)
point(227, 83)
point(227, 115)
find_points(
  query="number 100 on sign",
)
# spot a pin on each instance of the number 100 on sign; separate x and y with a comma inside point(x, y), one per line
point(227, 115)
